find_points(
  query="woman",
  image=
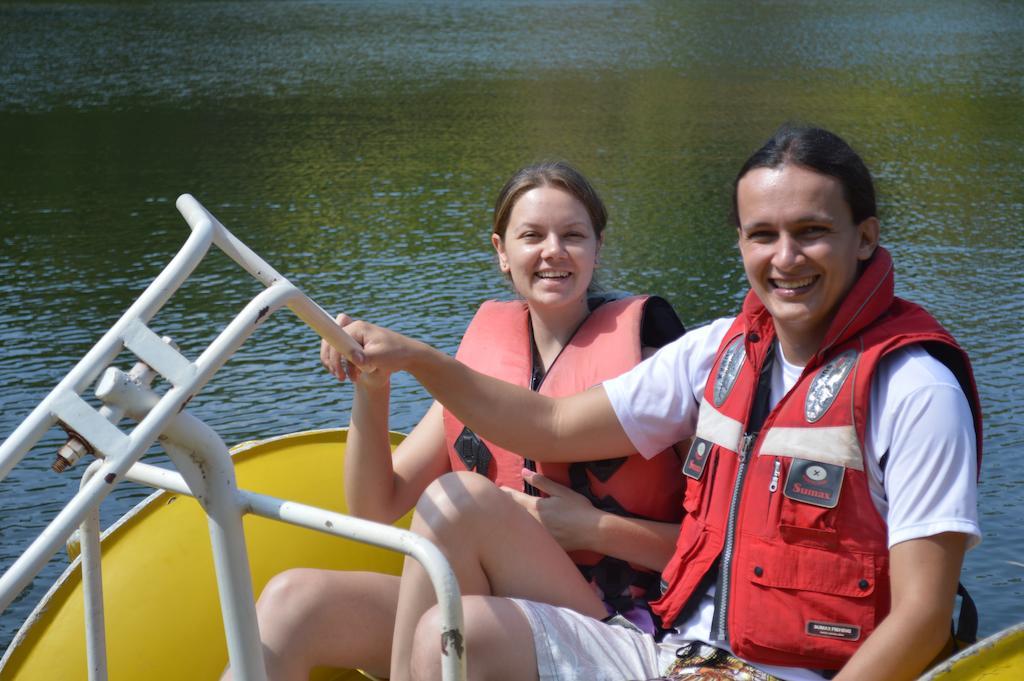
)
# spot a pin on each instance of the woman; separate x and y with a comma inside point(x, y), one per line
point(548, 227)
point(831, 482)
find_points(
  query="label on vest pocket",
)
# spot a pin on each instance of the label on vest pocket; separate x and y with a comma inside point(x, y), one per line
point(846, 632)
point(814, 482)
point(697, 458)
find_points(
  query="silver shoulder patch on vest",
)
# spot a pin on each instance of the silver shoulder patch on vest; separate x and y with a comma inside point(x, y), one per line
point(729, 370)
point(827, 384)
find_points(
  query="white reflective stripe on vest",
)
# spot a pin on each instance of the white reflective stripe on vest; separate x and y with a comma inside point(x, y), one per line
point(716, 427)
point(832, 444)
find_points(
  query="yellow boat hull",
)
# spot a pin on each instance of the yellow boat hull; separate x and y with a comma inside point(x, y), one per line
point(160, 594)
point(999, 657)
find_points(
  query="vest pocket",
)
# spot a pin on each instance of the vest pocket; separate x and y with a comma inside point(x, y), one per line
point(809, 536)
point(802, 523)
point(802, 605)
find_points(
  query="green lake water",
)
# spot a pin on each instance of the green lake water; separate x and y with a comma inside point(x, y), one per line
point(358, 147)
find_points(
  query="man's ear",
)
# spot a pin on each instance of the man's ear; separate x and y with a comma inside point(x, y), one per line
point(868, 229)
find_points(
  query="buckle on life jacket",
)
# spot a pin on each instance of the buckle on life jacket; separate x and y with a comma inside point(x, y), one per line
point(474, 453)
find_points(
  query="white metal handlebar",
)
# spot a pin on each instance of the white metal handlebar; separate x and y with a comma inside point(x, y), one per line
point(190, 443)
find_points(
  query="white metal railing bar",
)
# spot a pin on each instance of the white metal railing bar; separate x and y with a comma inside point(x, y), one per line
point(349, 527)
point(122, 451)
point(303, 307)
point(157, 354)
point(106, 349)
point(202, 459)
point(446, 586)
point(80, 417)
point(92, 587)
point(187, 440)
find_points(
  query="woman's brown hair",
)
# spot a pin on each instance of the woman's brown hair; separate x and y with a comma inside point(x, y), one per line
point(549, 174)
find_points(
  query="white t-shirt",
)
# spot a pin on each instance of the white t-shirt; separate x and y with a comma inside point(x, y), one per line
point(920, 418)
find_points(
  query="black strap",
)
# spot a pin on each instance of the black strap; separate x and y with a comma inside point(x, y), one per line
point(612, 575)
point(965, 632)
point(537, 375)
point(615, 576)
point(579, 481)
point(762, 405)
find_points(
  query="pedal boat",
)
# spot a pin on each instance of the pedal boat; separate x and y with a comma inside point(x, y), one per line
point(176, 596)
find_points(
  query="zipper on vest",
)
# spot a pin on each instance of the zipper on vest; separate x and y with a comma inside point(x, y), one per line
point(720, 632)
point(759, 410)
point(776, 474)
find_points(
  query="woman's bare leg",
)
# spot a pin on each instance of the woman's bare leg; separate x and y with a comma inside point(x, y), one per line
point(498, 642)
point(310, 618)
point(495, 548)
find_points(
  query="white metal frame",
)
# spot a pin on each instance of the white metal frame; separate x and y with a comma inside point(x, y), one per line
point(201, 457)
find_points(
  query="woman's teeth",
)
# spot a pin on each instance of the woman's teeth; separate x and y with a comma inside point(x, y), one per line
point(552, 275)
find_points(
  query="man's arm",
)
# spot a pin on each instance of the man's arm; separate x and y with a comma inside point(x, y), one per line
point(923, 574)
point(581, 427)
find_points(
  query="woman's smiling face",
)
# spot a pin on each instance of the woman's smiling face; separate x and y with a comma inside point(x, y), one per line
point(549, 248)
point(801, 250)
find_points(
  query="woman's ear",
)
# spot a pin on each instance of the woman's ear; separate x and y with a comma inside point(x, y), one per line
point(868, 229)
point(499, 247)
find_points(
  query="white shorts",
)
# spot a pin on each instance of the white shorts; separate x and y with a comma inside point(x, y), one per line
point(574, 647)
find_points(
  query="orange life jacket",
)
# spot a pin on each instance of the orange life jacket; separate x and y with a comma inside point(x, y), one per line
point(783, 509)
point(498, 343)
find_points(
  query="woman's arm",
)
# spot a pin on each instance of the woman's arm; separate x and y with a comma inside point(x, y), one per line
point(379, 486)
point(648, 543)
point(577, 525)
point(581, 427)
point(923, 574)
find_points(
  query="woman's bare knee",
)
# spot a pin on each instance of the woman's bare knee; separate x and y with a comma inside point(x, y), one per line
point(425, 659)
point(284, 608)
point(458, 500)
point(310, 617)
point(288, 599)
point(497, 642)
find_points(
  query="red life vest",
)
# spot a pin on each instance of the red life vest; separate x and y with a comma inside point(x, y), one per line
point(607, 344)
point(804, 564)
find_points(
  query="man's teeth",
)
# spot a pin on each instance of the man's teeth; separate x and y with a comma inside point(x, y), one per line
point(794, 283)
point(552, 275)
